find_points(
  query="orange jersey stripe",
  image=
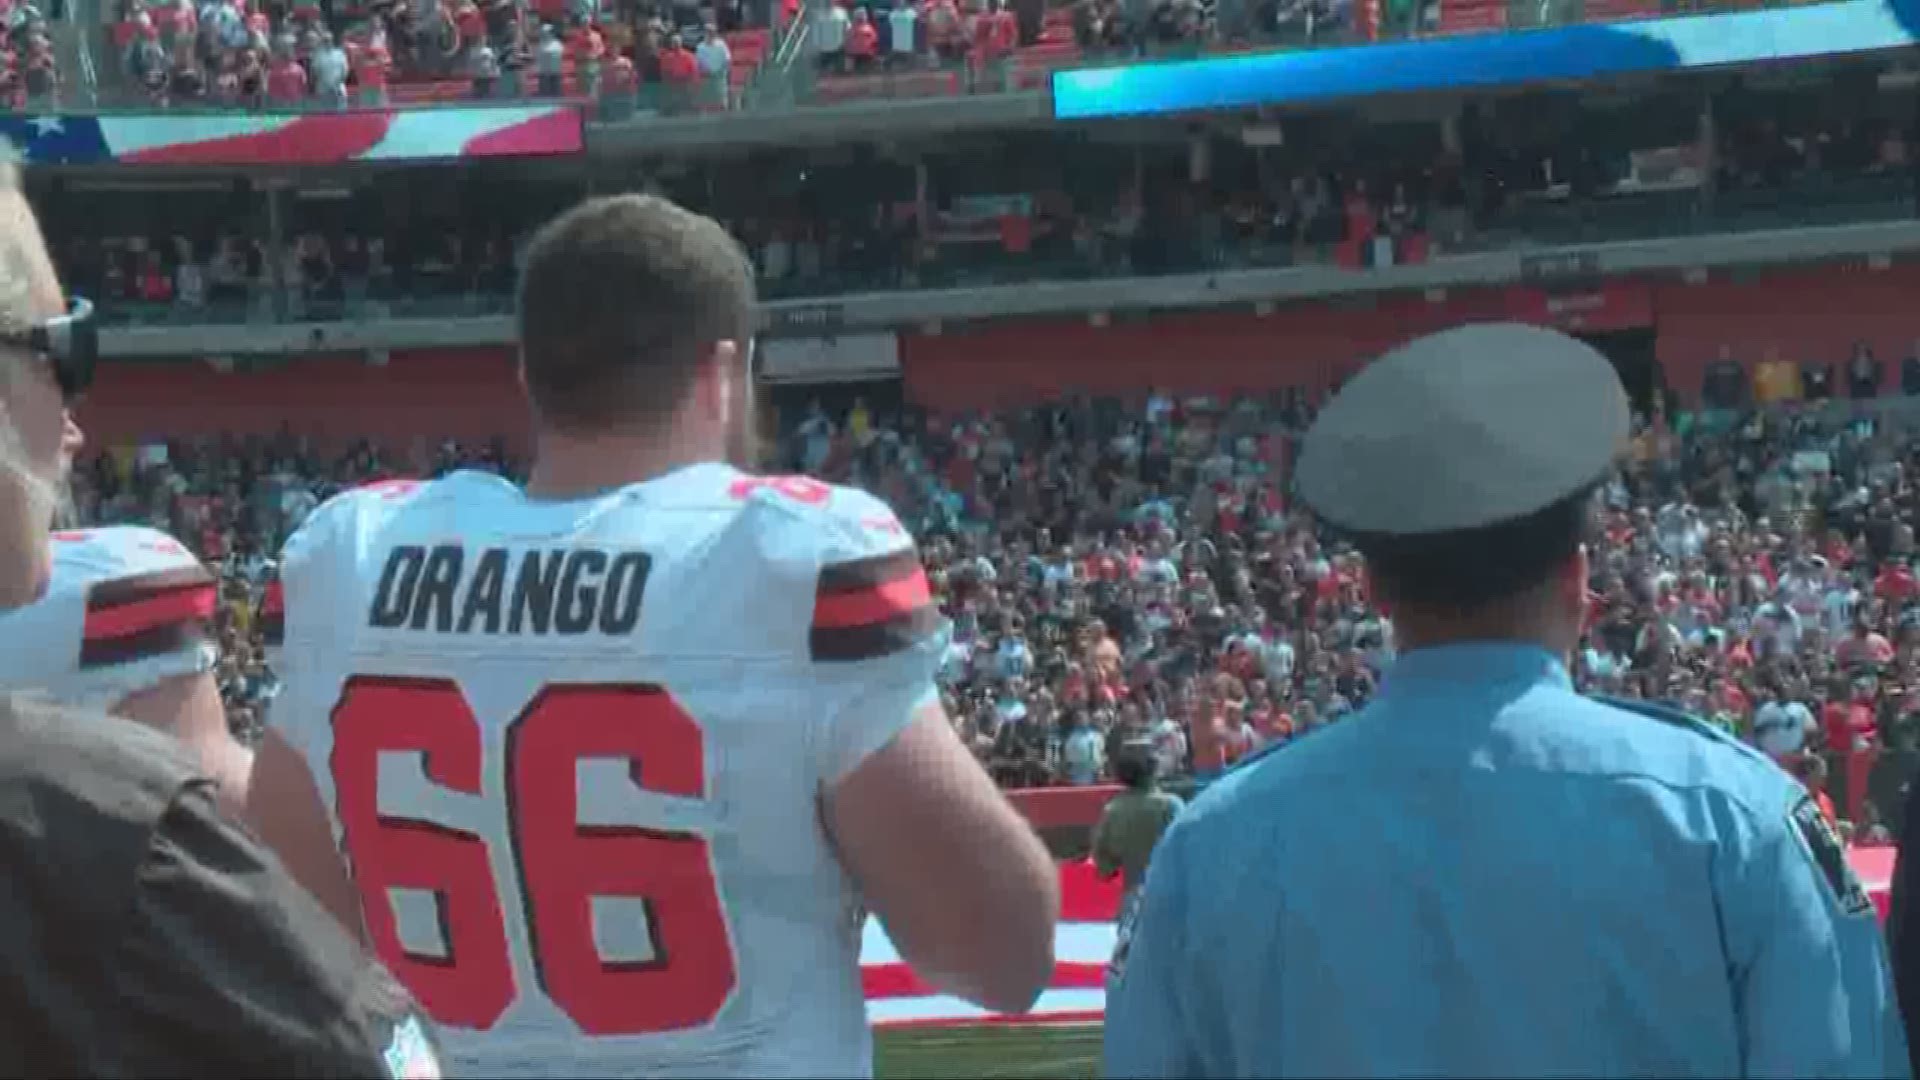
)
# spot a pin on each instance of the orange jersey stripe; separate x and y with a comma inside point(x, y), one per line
point(879, 603)
point(194, 603)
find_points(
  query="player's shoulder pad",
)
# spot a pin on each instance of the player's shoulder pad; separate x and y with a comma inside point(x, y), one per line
point(340, 515)
point(871, 597)
point(121, 550)
point(836, 522)
point(146, 595)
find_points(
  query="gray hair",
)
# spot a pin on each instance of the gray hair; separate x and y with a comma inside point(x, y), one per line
point(19, 235)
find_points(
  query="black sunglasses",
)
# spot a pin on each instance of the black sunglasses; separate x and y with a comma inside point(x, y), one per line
point(69, 344)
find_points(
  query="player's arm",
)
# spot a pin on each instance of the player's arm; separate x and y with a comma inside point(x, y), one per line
point(1812, 988)
point(288, 814)
point(286, 809)
point(189, 708)
point(226, 967)
point(1148, 1030)
point(151, 630)
point(962, 884)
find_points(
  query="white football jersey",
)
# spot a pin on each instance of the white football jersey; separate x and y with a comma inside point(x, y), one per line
point(574, 751)
point(126, 608)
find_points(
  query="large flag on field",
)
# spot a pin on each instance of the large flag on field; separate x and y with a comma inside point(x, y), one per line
point(896, 997)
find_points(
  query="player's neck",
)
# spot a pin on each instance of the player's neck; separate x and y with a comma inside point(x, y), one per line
point(569, 467)
point(24, 562)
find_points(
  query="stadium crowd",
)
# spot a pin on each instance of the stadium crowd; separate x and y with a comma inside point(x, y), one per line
point(234, 53)
point(1120, 570)
point(29, 68)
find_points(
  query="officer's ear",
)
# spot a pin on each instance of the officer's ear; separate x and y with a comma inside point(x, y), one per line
point(1573, 576)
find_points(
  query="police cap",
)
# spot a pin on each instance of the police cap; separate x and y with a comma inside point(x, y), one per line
point(1464, 429)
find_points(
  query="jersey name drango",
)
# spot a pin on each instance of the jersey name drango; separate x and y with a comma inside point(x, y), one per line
point(567, 591)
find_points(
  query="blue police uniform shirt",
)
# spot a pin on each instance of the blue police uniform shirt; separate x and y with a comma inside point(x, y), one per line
point(1483, 873)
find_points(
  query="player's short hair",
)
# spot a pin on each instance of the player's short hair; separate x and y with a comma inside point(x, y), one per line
point(1470, 569)
point(620, 299)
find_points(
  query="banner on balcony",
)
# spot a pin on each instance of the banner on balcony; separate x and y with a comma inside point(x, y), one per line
point(1583, 53)
point(240, 139)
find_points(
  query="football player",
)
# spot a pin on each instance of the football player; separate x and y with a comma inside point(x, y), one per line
point(114, 618)
point(618, 758)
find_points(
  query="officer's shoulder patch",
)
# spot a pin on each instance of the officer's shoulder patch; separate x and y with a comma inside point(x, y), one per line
point(1823, 844)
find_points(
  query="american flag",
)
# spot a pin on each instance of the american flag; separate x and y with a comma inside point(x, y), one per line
point(896, 997)
point(317, 138)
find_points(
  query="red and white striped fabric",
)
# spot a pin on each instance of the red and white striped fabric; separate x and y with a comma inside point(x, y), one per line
point(896, 997)
point(1082, 947)
point(333, 137)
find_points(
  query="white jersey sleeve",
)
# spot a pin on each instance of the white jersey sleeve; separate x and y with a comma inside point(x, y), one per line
point(315, 570)
point(126, 609)
point(877, 637)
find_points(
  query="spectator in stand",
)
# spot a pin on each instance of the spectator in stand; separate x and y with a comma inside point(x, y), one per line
point(679, 74)
point(903, 35)
point(372, 66)
point(829, 35)
point(550, 63)
point(1865, 373)
point(286, 77)
point(862, 45)
point(715, 61)
point(329, 69)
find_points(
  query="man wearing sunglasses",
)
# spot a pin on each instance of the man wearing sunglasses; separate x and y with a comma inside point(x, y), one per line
point(116, 618)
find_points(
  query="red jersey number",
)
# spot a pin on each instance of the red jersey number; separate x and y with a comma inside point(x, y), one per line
point(562, 865)
point(801, 489)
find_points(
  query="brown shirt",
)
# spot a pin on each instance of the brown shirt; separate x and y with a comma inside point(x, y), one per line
point(144, 934)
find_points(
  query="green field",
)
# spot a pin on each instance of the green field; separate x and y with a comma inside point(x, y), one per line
point(989, 1052)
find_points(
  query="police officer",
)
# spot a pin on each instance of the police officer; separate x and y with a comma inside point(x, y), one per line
point(1483, 873)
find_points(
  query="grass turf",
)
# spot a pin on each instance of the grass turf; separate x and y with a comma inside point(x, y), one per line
point(989, 1052)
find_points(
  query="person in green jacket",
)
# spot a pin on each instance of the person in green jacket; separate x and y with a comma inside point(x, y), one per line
point(1123, 841)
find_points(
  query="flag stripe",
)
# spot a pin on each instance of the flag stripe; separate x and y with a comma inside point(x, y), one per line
point(883, 981)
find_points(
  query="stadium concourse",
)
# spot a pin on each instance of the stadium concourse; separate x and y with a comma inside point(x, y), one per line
point(1129, 566)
